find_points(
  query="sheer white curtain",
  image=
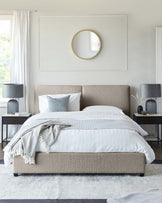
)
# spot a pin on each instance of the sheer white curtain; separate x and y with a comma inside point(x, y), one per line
point(20, 54)
point(20, 58)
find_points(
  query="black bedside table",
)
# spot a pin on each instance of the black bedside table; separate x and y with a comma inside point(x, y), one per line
point(11, 120)
point(155, 119)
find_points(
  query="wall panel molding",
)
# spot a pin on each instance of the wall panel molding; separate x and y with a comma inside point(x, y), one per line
point(56, 33)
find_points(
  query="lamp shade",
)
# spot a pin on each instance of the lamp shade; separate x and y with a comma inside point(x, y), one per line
point(12, 90)
point(150, 90)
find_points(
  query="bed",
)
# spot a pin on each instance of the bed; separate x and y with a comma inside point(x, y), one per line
point(86, 162)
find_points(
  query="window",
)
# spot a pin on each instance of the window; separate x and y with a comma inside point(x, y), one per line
point(5, 45)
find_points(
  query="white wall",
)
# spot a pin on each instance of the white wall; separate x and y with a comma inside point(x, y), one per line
point(143, 17)
point(56, 33)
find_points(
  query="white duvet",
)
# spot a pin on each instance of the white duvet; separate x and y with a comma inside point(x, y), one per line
point(96, 140)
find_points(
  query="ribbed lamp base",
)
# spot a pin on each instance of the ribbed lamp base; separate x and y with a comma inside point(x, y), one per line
point(12, 106)
point(151, 106)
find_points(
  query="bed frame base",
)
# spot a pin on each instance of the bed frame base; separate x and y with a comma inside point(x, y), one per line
point(140, 174)
point(82, 163)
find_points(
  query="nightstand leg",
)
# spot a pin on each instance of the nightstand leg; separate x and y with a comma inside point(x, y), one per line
point(158, 138)
point(6, 133)
point(2, 135)
point(160, 131)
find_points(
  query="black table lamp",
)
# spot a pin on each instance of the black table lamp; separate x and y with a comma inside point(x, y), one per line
point(12, 91)
point(151, 91)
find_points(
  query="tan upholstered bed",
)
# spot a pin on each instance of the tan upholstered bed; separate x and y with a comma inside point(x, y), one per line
point(86, 163)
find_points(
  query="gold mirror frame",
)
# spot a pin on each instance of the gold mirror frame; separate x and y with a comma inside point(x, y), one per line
point(74, 38)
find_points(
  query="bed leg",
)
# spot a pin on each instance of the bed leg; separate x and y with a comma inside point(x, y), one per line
point(15, 175)
point(141, 174)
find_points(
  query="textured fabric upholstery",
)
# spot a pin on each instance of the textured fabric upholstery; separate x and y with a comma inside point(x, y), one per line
point(113, 95)
point(122, 163)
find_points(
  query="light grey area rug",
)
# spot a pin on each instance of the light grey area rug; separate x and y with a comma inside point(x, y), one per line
point(77, 186)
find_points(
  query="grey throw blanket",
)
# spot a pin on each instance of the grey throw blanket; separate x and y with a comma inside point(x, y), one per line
point(26, 140)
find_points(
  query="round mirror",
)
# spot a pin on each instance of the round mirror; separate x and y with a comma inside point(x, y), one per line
point(86, 44)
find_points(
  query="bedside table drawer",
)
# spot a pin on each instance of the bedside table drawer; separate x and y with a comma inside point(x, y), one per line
point(148, 119)
point(14, 120)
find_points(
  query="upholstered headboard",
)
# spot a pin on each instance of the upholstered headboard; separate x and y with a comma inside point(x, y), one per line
point(114, 95)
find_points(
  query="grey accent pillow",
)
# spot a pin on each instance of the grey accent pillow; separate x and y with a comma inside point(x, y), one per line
point(58, 104)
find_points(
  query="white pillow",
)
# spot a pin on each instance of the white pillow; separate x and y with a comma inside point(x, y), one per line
point(107, 109)
point(73, 104)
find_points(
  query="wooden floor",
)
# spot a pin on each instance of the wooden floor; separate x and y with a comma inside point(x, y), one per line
point(156, 147)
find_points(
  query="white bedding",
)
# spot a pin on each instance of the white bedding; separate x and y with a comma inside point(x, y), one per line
point(102, 140)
